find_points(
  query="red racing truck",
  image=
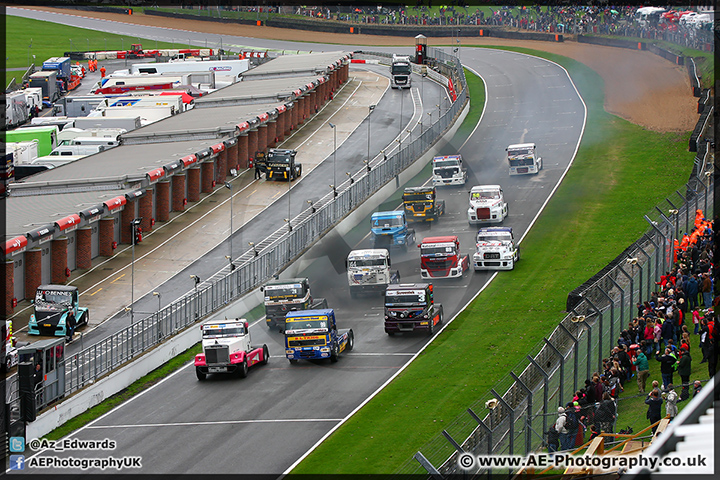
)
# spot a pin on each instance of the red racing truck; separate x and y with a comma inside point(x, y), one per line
point(440, 257)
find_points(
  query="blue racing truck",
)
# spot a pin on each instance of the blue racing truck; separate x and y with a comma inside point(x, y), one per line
point(391, 229)
point(312, 334)
point(53, 305)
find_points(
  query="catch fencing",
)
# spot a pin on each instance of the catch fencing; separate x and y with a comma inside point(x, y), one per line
point(267, 258)
point(514, 415)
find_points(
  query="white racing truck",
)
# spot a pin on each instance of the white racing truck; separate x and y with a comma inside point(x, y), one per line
point(487, 204)
point(496, 249)
point(401, 72)
point(369, 271)
point(448, 170)
point(523, 159)
point(227, 349)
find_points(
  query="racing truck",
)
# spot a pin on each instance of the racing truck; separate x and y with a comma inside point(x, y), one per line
point(523, 159)
point(53, 304)
point(369, 271)
point(421, 204)
point(282, 296)
point(410, 307)
point(440, 257)
point(496, 249)
point(391, 229)
point(400, 71)
point(313, 334)
point(227, 349)
point(487, 204)
point(448, 170)
point(280, 164)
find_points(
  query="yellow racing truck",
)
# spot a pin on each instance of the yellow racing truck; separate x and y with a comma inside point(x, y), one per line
point(422, 205)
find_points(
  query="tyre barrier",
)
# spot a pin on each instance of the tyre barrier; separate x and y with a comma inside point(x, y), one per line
point(694, 79)
point(700, 127)
point(612, 42)
point(703, 100)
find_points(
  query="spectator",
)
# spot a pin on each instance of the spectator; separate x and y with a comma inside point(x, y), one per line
point(667, 331)
point(706, 290)
point(712, 342)
point(667, 366)
point(643, 367)
point(606, 412)
point(704, 344)
point(625, 361)
point(560, 428)
point(553, 439)
point(697, 387)
point(102, 72)
point(684, 370)
point(696, 320)
point(692, 291)
point(70, 325)
point(654, 402)
point(671, 399)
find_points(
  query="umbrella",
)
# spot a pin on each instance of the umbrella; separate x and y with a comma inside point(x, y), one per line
point(614, 12)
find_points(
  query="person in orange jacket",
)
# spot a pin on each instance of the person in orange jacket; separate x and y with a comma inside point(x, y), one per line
point(102, 72)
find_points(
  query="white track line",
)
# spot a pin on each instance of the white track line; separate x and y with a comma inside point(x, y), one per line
point(225, 422)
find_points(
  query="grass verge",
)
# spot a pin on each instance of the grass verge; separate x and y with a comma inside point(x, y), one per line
point(621, 171)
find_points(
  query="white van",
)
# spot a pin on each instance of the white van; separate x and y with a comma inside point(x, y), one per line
point(72, 150)
point(56, 160)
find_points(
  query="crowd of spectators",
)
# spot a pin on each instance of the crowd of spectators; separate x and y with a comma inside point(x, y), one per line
point(677, 319)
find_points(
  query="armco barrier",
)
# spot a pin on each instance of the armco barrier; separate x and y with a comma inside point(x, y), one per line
point(611, 42)
point(676, 59)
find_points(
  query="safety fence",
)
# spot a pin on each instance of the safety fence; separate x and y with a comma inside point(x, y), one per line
point(267, 258)
point(514, 415)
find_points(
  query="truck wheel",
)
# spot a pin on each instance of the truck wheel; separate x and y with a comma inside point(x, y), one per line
point(390, 333)
point(299, 170)
point(431, 330)
point(334, 355)
point(200, 375)
point(266, 355)
point(243, 369)
point(8, 363)
point(351, 341)
point(84, 318)
point(293, 361)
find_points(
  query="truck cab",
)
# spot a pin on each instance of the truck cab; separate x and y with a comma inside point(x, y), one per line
point(421, 204)
point(496, 249)
point(369, 271)
point(52, 304)
point(313, 334)
point(410, 307)
point(523, 159)
point(440, 257)
point(282, 296)
point(487, 204)
point(448, 170)
point(227, 349)
point(391, 229)
point(280, 164)
point(401, 72)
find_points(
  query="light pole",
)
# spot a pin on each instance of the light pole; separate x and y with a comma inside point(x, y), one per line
point(372, 107)
point(197, 282)
point(334, 151)
point(252, 245)
point(159, 295)
point(134, 224)
point(228, 185)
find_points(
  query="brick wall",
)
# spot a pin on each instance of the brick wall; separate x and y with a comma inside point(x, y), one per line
point(162, 197)
point(178, 192)
point(58, 260)
point(243, 154)
point(106, 236)
point(221, 170)
point(127, 216)
point(33, 272)
point(145, 209)
point(252, 143)
point(193, 179)
point(9, 288)
point(262, 138)
point(208, 173)
point(232, 158)
point(83, 260)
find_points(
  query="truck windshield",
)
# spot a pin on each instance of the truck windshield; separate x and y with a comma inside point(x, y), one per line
point(278, 158)
point(293, 290)
point(217, 331)
point(521, 162)
point(437, 249)
point(519, 151)
point(485, 195)
point(446, 163)
point(401, 69)
point(397, 299)
point(53, 297)
point(306, 323)
point(503, 237)
point(387, 222)
point(418, 197)
point(367, 262)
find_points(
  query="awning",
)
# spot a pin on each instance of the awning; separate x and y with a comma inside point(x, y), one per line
point(42, 234)
point(218, 148)
point(93, 214)
point(241, 127)
point(188, 160)
point(230, 142)
point(15, 245)
point(281, 108)
point(155, 175)
point(134, 195)
point(173, 167)
point(262, 117)
point(69, 223)
point(202, 154)
point(115, 203)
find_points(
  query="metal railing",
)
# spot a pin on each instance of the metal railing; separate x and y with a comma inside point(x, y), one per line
point(513, 416)
point(273, 254)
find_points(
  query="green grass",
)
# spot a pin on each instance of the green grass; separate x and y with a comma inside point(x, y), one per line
point(620, 173)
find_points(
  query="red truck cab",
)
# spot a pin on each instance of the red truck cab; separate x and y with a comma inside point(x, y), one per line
point(440, 257)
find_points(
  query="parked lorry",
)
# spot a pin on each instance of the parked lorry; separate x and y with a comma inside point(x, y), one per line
point(232, 68)
point(487, 204)
point(496, 249)
point(79, 106)
point(369, 271)
point(76, 150)
point(523, 159)
point(286, 295)
point(313, 334)
point(61, 65)
point(114, 85)
point(53, 304)
point(129, 122)
point(47, 82)
point(23, 152)
point(440, 257)
point(46, 136)
point(227, 348)
point(448, 170)
point(281, 165)
point(147, 115)
point(67, 136)
point(401, 72)
point(391, 229)
point(410, 307)
point(17, 111)
point(33, 97)
point(422, 205)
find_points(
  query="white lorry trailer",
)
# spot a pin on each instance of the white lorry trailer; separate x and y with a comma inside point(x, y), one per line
point(369, 271)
